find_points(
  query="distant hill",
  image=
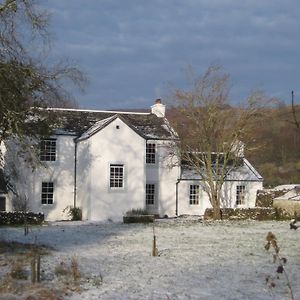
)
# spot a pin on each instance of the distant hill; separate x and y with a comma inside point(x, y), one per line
point(276, 143)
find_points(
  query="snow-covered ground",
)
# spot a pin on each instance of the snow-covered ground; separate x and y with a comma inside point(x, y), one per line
point(217, 260)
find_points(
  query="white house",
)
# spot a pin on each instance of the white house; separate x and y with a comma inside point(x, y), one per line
point(109, 162)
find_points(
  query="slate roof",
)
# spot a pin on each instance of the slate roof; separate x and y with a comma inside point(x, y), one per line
point(244, 172)
point(292, 195)
point(77, 122)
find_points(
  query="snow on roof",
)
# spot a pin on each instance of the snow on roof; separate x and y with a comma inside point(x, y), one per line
point(96, 127)
point(285, 187)
point(95, 111)
point(79, 121)
point(243, 172)
point(292, 195)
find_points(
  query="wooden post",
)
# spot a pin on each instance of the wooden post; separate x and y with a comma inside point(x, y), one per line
point(33, 270)
point(38, 267)
point(154, 248)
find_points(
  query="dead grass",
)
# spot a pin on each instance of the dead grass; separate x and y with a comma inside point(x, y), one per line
point(15, 261)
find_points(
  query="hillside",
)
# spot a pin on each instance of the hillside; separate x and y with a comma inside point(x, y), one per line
point(275, 147)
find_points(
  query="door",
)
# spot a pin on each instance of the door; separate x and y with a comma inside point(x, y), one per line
point(2, 203)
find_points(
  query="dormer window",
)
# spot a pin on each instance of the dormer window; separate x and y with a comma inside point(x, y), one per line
point(150, 153)
point(48, 150)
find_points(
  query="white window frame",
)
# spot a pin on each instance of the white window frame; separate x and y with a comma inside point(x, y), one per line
point(116, 176)
point(240, 195)
point(150, 193)
point(47, 193)
point(194, 194)
point(150, 153)
point(48, 149)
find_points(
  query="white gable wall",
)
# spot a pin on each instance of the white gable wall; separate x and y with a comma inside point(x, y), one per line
point(112, 146)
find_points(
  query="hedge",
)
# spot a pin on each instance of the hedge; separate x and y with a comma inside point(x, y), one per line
point(19, 218)
point(257, 213)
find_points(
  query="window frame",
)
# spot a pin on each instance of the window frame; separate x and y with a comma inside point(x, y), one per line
point(116, 179)
point(150, 153)
point(194, 194)
point(150, 192)
point(240, 195)
point(48, 153)
point(47, 193)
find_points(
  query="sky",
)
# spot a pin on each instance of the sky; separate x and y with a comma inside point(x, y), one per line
point(134, 51)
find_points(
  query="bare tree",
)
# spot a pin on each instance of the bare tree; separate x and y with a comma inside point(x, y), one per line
point(213, 133)
point(294, 113)
point(26, 79)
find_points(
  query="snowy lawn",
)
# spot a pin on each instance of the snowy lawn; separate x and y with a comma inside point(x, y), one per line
point(216, 260)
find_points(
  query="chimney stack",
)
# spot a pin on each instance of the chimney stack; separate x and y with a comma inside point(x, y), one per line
point(158, 108)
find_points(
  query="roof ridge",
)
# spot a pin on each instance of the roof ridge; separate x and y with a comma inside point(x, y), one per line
point(94, 110)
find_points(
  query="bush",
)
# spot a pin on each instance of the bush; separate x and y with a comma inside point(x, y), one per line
point(75, 213)
point(19, 218)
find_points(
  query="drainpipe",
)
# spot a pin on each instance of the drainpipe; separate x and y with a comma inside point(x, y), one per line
point(177, 182)
point(176, 209)
point(75, 173)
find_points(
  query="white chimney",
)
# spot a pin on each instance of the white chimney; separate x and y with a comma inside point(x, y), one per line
point(158, 108)
point(238, 148)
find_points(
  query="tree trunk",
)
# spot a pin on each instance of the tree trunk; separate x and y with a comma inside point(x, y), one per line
point(216, 207)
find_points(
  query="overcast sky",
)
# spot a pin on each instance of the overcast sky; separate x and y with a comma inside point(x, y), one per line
point(133, 51)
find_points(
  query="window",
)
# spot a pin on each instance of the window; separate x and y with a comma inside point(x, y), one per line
point(240, 194)
point(47, 192)
point(116, 176)
point(48, 150)
point(194, 194)
point(150, 153)
point(150, 194)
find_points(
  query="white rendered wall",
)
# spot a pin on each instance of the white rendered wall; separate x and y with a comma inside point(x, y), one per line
point(163, 174)
point(83, 188)
point(228, 196)
point(111, 146)
point(29, 182)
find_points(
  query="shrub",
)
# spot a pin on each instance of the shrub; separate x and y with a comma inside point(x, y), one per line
point(281, 261)
point(71, 270)
point(61, 269)
point(17, 270)
point(75, 213)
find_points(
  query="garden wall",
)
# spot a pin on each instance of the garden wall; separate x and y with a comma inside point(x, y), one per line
point(19, 218)
point(257, 213)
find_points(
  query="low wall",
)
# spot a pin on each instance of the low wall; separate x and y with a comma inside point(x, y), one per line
point(257, 213)
point(19, 218)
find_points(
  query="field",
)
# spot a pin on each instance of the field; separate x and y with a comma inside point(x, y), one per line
point(196, 260)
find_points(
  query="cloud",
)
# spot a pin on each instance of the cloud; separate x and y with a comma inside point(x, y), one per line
point(133, 49)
